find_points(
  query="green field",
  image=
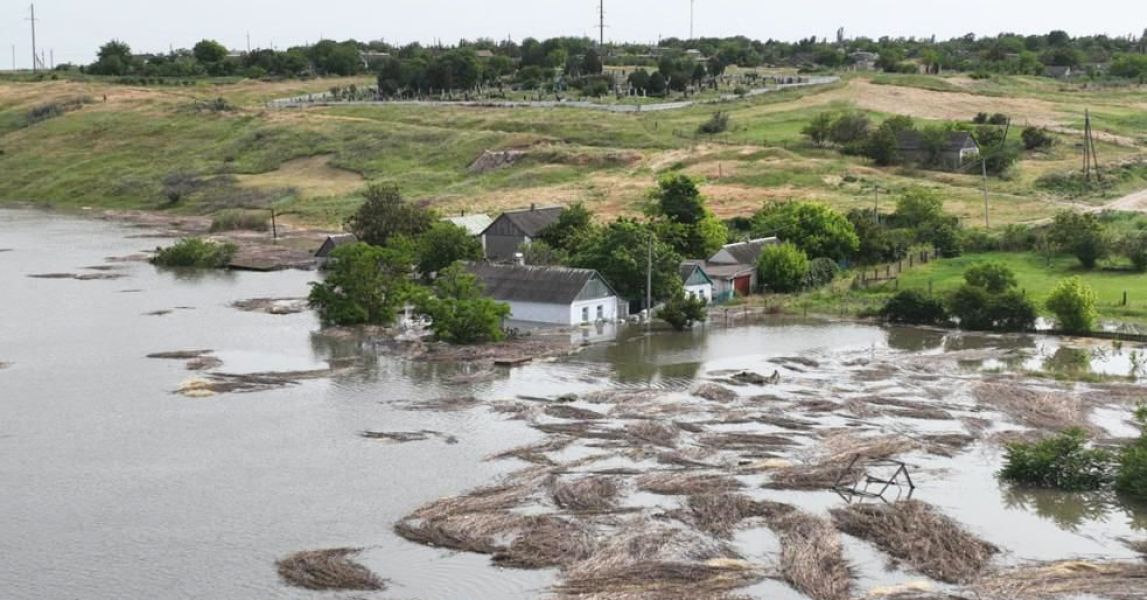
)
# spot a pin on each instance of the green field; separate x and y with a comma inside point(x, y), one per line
point(1033, 274)
point(131, 147)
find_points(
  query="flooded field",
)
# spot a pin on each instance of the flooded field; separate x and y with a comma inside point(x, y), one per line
point(695, 464)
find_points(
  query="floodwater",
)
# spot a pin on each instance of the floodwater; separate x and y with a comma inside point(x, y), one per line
point(116, 487)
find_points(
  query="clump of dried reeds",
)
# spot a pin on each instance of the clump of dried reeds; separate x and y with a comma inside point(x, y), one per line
point(812, 557)
point(832, 464)
point(330, 569)
point(719, 514)
point(714, 393)
point(445, 404)
point(1039, 409)
point(481, 533)
point(752, 442)
point(1114, 581)
point(547, 541)
point(653, 432)
point(565, 411)
point(486, 499)
point(679, 483)
point(920, 535)
point(588, 494)
point(653, 560)
point(621, 396)
point(535, 453)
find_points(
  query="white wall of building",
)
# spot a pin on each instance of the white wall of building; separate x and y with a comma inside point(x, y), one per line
point(561, 314)
point(601, 309)
point(703, 290)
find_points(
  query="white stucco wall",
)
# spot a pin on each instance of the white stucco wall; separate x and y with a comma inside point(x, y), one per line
point(703, 290)
point(560, 314)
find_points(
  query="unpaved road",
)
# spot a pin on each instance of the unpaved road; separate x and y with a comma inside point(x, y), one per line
point(1133, 202)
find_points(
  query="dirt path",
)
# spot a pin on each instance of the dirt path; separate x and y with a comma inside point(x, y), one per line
point(1133, 202)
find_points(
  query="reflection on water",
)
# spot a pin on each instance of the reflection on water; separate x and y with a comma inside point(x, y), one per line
point(1075, 511)
point(1071, 362)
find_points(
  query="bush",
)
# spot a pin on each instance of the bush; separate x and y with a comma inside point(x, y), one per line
point(914, 308)
point(1036, 138)
point(1062, 462)
point(821, 272)
point(1082, 235)
point(682, 311)
point(849, 128)
point(1017, 238)
point(718, 123)
point(979, 240)
point(1132, 475)
point(990, 275)
point(819, 129)
point(783, 268)
point(813, 227)
point(1073, 303)
point(236, 219)
point(945, 238)
point(195, 252)
point(1134, 247)
point(364, 285)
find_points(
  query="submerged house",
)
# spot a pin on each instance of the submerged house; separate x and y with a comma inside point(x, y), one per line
point(733, 269)
point(511, 229)
point(957, 150)
point(551, 295)
point(696, 281)
point(332, 242)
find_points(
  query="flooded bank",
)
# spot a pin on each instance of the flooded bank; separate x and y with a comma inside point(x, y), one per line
point(120, 487)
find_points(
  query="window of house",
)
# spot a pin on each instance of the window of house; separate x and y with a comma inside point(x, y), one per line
point(585, 314)
point(600, 312)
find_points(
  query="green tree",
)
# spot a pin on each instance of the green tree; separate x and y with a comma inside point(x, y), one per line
point(1073, 303)
point(783, 268)
point(574, 225)
point(1082, 235)
point(591, 63)
point(819, 129)
point(113, 58)
point(364, 284)
point(460, 313)
point(444, 244)
point(915, 308)
point(209, 52)
point(620, 250)
point(883, 146)
point(682, 311)
point(1131, 477)
point(385, 214)
point(681, 219)
point(814, 228)
point(850, 128)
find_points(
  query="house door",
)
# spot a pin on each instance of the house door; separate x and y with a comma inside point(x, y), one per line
point(743, 285)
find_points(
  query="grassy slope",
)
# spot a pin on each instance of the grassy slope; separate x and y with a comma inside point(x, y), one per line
point(116, 154)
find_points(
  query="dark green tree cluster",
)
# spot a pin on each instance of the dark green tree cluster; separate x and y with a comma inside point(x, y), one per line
point(990, 301)
point(682, 311)
point(814, 228)
point(459, 310)
point(680, 217)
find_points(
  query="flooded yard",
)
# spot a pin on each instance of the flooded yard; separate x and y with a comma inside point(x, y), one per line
point(671, 465)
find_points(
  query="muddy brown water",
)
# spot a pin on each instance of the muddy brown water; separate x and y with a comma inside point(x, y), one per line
point(116, 487)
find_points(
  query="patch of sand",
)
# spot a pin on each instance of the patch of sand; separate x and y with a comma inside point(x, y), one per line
point(928, 104)
point(311, 177)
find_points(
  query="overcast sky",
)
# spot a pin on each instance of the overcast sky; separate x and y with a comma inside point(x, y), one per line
point(75, 28)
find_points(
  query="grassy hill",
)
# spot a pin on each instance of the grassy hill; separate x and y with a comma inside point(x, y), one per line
point(76, 144)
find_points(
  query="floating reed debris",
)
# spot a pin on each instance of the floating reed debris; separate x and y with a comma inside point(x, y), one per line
point(622, 396)
point(402, 437)
point(1039, 409)
point(646, 559)
point(481, 533)
point(486, 499)
point(920, 535)
point(681, 483)
point(547, 541)
point(832, 464)
point(179, 354)
point(652, 432)
point(328, 570)
point(588, 494)
point(714, 393)
point(446, 404)
point(1114, 581)
point(720, 514)
point(535, 453)
point(565, 411)
point(740, 441)
point(812, 558)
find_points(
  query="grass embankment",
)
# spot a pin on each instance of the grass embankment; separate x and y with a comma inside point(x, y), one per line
point(164, 148)
point(1033, 273)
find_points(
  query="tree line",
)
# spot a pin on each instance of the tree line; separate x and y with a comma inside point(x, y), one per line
point(672, 63)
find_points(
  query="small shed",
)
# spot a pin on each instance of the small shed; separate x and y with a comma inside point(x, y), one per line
point(957, 150)
point(697, 282)
point(512, 229)
point(551, 295)
point(332, 242)
point(733, 268)
point(475, 223)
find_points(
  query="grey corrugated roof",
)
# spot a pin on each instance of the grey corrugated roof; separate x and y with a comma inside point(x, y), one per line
point(334, 241)
point(547, 285)
point(475, 224)
point(747, 253)
point(531, 221)
point(912, 141)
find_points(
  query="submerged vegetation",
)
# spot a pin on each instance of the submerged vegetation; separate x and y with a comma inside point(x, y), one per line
point(195, 252)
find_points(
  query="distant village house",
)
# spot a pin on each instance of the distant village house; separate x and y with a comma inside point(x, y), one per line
point(512, 229)
point(697, 283)
point(733, 269)
point(323, 254)
point(956, 151)
point(475, 224)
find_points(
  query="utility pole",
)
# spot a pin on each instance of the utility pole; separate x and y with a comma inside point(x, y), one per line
point(35, 57)
point(248, 42)
point(13, 58)
point(649, 283)
point(601, 23)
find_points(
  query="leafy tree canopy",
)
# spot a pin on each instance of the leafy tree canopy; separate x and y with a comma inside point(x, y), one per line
point(813, 227)
point(386, 214)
